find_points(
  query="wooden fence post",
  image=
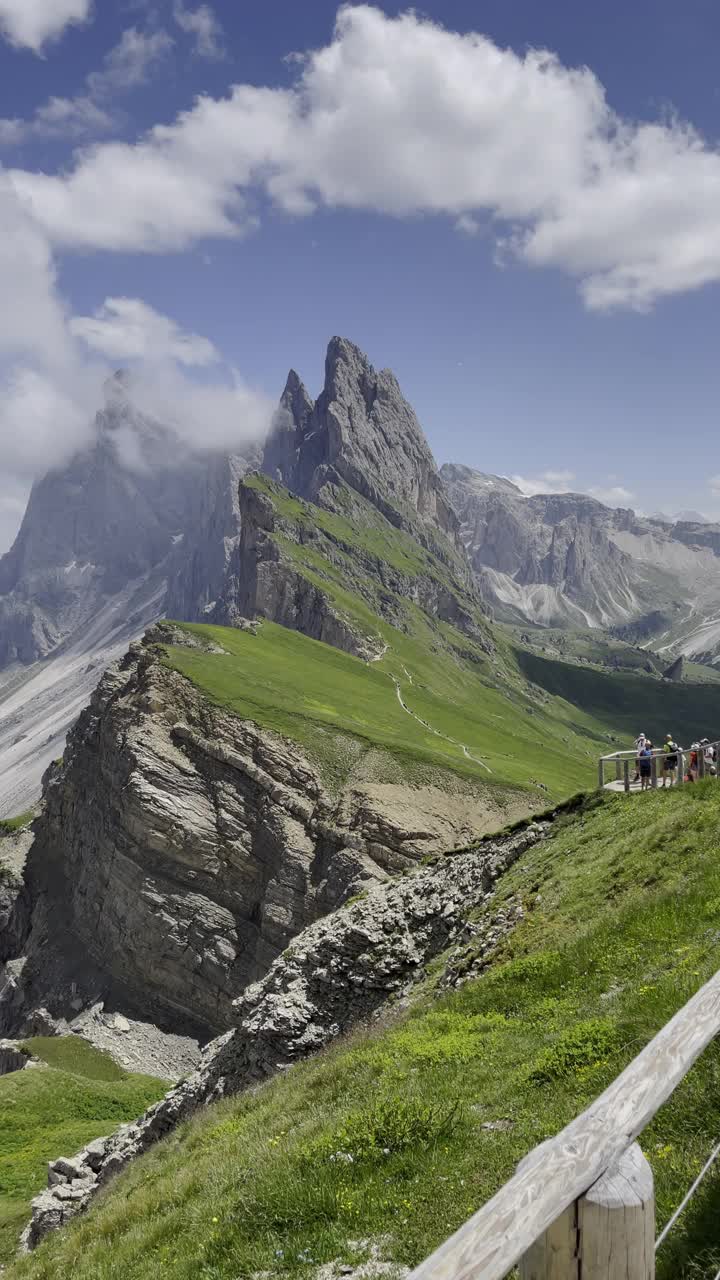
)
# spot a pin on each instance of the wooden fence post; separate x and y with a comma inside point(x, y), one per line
point(653, 771)
point(701, 762)
point(607, 1233)
point(626, 774)
point(601, 773)
point(616, 1222)
point(554, 1256)
point(681, 767)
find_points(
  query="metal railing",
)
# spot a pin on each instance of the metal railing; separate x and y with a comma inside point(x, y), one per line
point(623, 763)
point(581, 1205)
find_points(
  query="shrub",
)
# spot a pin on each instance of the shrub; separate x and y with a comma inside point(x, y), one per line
point(586, 1044)
point(389, 1126)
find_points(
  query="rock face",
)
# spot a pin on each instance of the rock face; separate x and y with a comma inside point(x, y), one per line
point(339, 972)
point(362, 431)
point(181, 848)
point(131, 528)
point(568, 560)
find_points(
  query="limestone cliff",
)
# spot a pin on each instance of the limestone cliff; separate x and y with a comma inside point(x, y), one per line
point(180, 848)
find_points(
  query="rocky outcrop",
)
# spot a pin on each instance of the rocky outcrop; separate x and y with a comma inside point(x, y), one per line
point(287, 551)
point(181, 848)
point(14, 1057)
point(337, 974)
point(15, 907)
point(362, 431)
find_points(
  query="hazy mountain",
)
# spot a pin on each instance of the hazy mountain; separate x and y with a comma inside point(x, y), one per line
point(568, 560)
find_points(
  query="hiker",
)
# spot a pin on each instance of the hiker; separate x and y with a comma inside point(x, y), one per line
point(708, 755)
point(640, 742)
point(692, 772)
point(670, 760)
point(645, 762)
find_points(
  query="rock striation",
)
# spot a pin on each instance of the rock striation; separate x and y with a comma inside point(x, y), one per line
point(179, 850)
point(338, 973)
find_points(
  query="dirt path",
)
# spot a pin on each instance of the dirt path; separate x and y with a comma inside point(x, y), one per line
point(468, 755)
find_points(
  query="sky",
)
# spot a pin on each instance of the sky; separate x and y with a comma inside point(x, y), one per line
point(515, 206)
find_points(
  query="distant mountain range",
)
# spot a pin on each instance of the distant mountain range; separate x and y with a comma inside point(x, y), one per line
point(135, 528)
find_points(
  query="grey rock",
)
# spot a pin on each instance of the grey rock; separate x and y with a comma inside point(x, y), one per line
point(341, 971)
point(132, 527)
point(179, 851)
point(362, 430)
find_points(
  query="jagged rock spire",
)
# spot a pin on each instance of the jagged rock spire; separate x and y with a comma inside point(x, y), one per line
point(361, 430)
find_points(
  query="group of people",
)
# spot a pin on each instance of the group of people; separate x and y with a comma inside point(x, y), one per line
point(670, 760)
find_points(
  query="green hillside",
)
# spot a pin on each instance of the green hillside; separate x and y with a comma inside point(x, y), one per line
point(79, 1094)
point(494, 713)
point(437, 1105)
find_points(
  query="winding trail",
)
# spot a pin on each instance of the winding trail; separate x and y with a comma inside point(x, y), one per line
point(468, 755)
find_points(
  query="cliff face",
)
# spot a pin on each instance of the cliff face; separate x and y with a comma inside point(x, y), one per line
point(338, 973)
point(130, 529)
point(560, 559)
point(181, 848)
point(360, 430)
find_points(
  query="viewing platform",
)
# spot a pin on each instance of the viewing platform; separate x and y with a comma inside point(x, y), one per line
point(692, 763)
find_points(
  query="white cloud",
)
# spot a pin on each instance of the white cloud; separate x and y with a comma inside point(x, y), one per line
point(467, 224)
point(714, 483)
point(546, 482)
point(614, 495)
point(32, 23)
point(203, 24)
point(57, 118)
point(130, 62)
point(126, 66)
point(126, 329)
point(53, 367)
point(403, 117)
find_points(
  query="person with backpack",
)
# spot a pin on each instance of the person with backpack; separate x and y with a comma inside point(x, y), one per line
point(640, 743)
point(645, 762)
point(670, 760)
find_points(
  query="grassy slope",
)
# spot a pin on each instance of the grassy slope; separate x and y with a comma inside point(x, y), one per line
point(531, 721)
point(622, 924)
point(46, 1113)
point(8, 825)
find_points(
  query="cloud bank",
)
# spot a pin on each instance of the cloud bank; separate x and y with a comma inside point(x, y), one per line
point(401, 116)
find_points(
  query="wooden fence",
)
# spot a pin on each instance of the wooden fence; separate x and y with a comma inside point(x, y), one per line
point(581, 1205)
point(622, 764)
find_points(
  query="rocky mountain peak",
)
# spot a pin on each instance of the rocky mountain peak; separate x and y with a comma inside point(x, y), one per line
point(360, 430)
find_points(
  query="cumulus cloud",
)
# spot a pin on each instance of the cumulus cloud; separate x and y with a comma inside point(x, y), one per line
point(403, 117)
point(126, 329)
point(203, 25)
point(32, 23)
point(126, 66)
point(53, 367)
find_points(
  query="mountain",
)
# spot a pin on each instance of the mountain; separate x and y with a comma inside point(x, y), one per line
point(280, 822)
point(568, 560)
point(130, 527)
point(360, 431)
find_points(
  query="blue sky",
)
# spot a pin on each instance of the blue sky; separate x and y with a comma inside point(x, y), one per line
point(534, 250)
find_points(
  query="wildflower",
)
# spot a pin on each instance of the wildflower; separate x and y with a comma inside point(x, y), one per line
point(216, 1219)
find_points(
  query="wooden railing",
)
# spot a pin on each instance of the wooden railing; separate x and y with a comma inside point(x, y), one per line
point(623, 762)
point(581, 1205)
